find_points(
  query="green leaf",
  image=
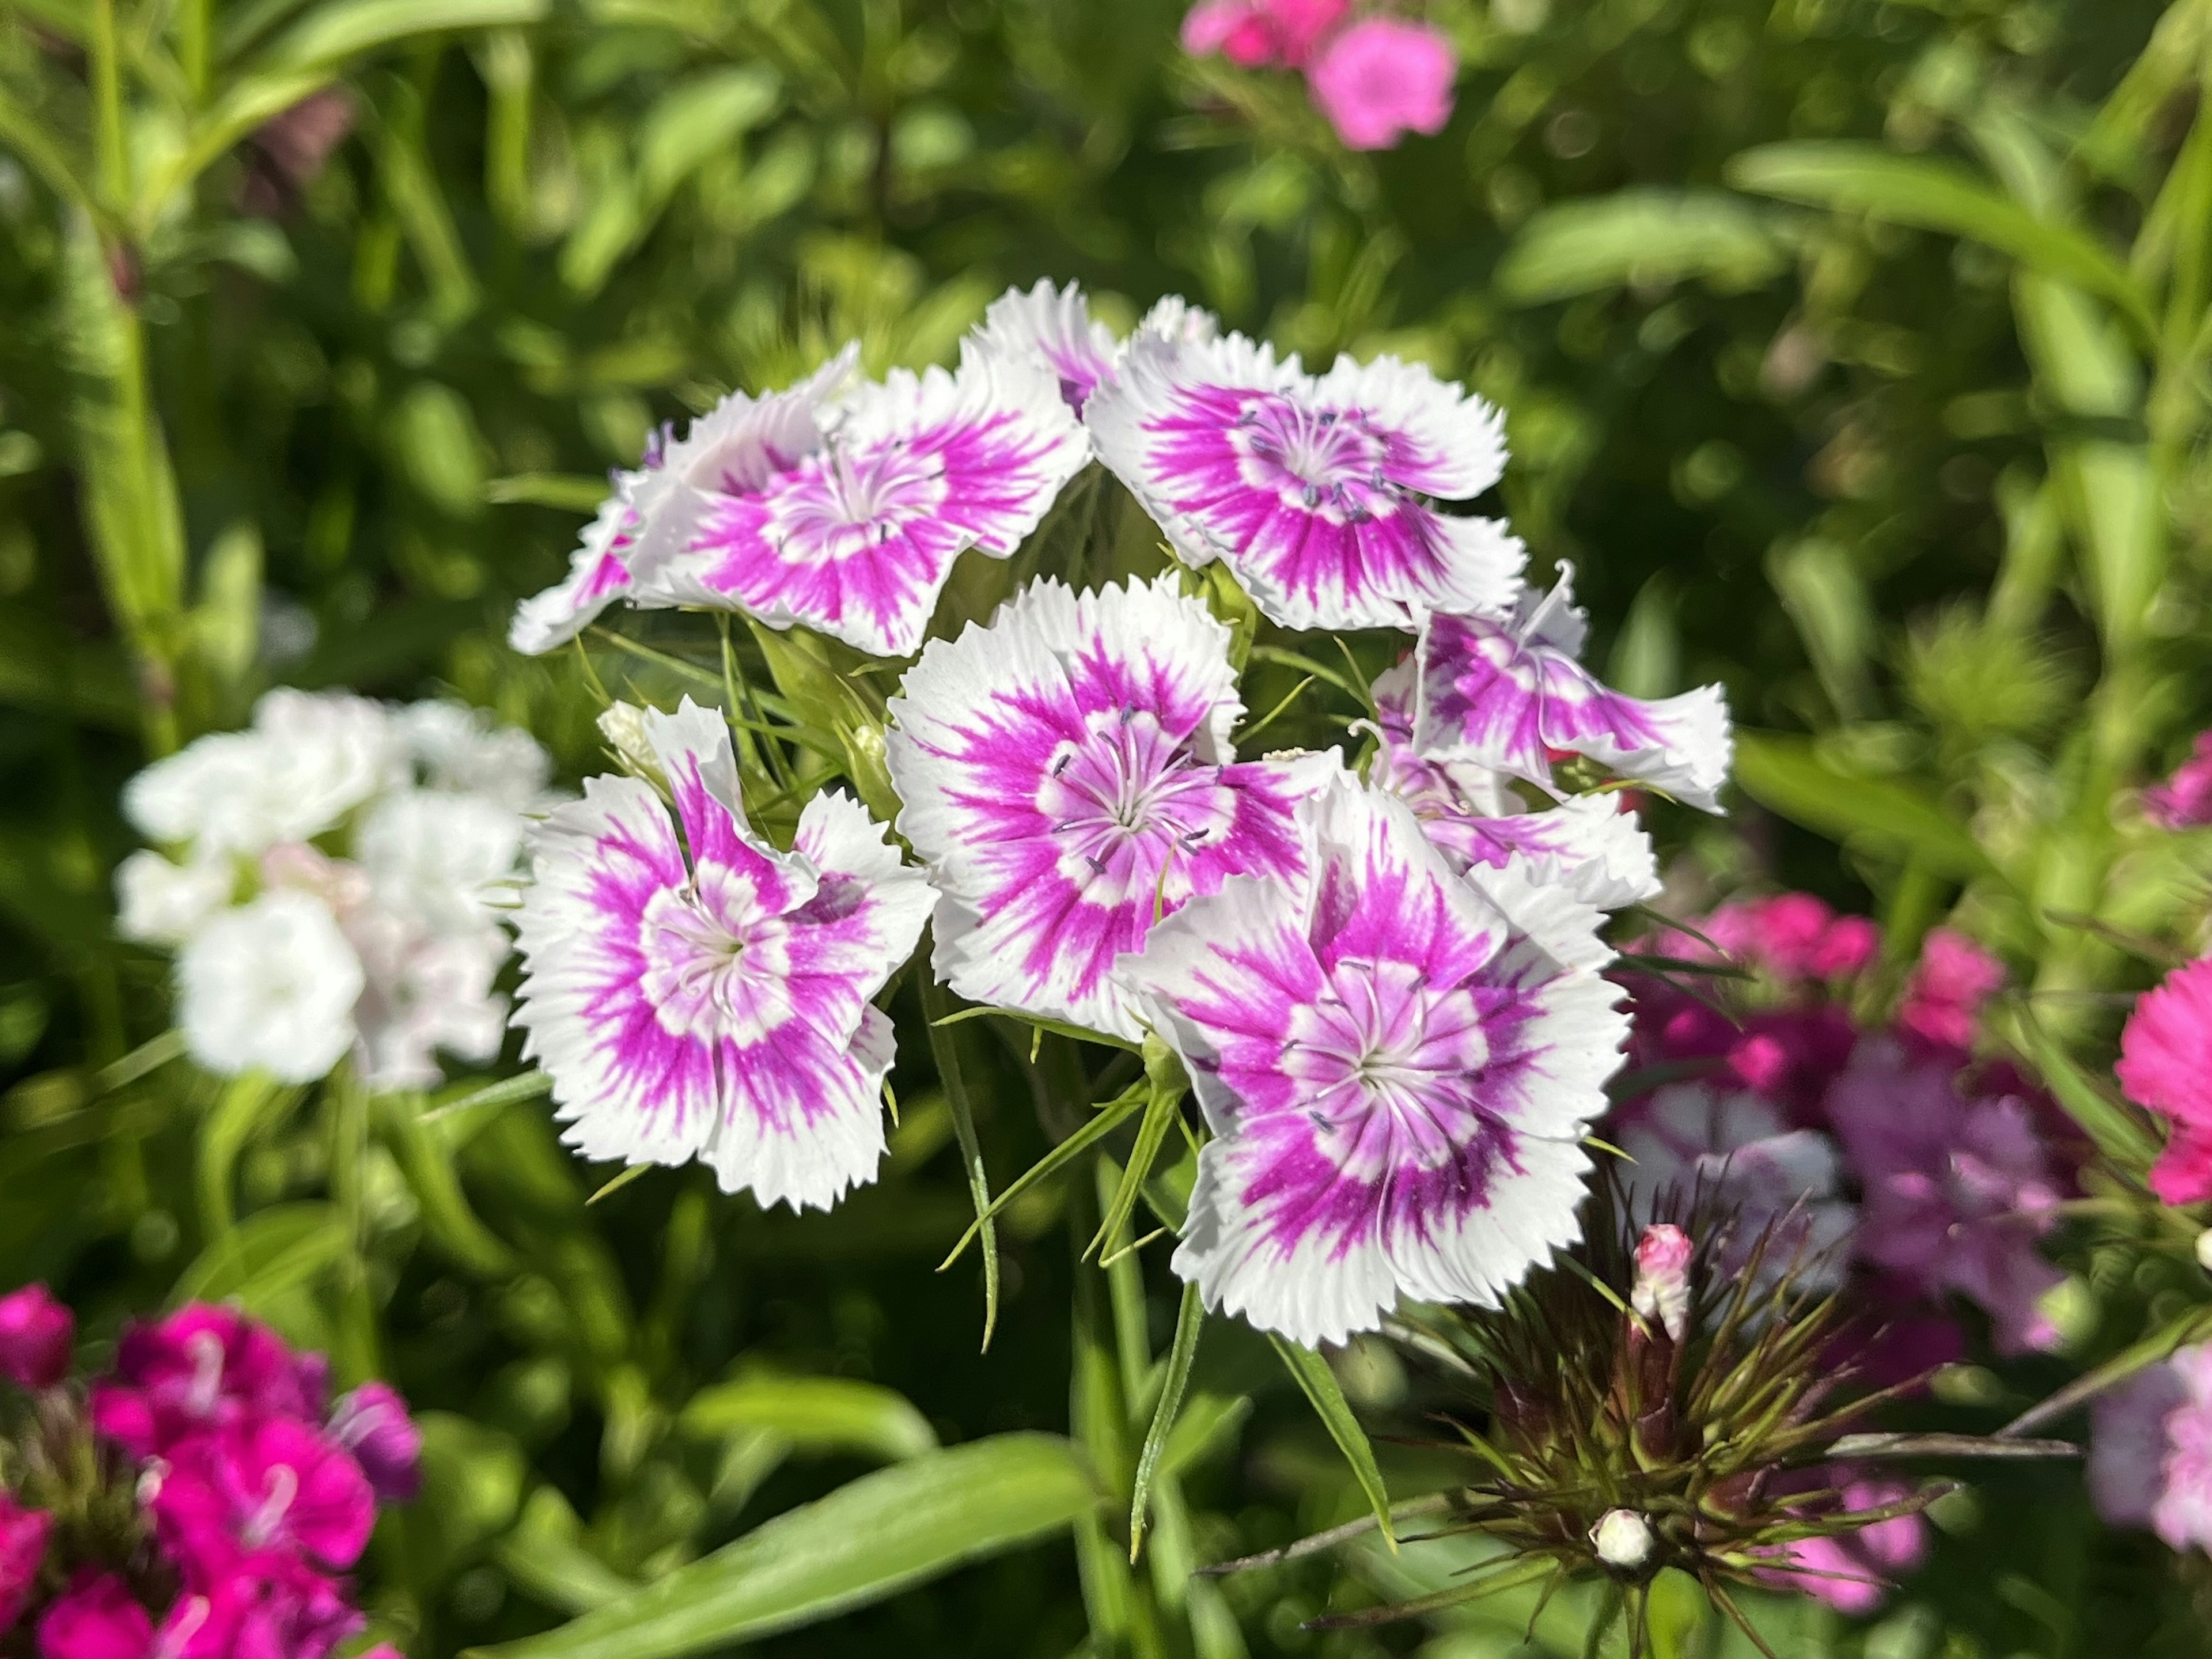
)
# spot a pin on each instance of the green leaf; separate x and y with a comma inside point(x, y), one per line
point(1160, 1115)
point(944, 1050)
point(346, 29)
point(1108, 1118)
point(265, 1255)
point(1787, 775)
point(2119, 1133)
point(817, 1413)
point(1930, 194)
point(426, 1158)
point(703, 117)
point(1312, 1373)
point(867, 1541)
point(245, 1104)
point(1642, 237)
point(1190, 1321)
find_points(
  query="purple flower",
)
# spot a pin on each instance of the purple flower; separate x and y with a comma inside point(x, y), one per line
point(1397, 1064)
point(1957, 1190)
point(1318, 490)
point(373, 1423)
point(23, 1535)
point(2183, 801)
point(1510, 695)
point(268, 1485)
point(2150, 1452)
point(1590, 844)
point(197, 1369)
point(717, 1008)
point(1261, 33)
point(1382, 78)
point(1069, 776)
point(2166, 1064)
point(1700, 1141)
point(36, 1335)
point(846, 516)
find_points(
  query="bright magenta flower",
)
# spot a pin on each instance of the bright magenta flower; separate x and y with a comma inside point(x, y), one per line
point(36, 1334)
point(2166, 1064)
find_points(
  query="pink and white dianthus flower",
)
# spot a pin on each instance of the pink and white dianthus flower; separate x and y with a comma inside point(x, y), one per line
point(1320, 491)
point(1398, 1063)
point(1382, 78)
point(2166, 1064)
point(1052, 329)
point(1069, 776)
point(845, 514)
point(598, 570)
point(2183, 801)
point(1511, 694)
point(718, 1008)
point(1591, 844)
point(1957, 1189)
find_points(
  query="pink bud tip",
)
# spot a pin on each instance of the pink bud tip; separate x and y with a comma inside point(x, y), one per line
point(1662, 1278)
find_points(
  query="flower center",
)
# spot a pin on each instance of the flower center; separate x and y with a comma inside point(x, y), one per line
point(716, 959)
point(849, 500)
point(1129, 803)
point(1389, 1062)
point(1327, 461)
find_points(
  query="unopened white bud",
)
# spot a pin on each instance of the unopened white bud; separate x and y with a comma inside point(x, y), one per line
point(623, 725)
point(2205, 1249)
point(1624, 1541)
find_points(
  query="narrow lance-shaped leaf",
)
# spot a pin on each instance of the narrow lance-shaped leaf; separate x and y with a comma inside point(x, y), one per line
point(1190, 1321)
point(1313, 1376)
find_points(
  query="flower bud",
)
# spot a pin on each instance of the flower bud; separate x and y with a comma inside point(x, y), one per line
point(36, 1333)
point(1624, 1540)
point(1662, 1292)
point(623, 725)
point(2205, 1249)
point(373, 1423)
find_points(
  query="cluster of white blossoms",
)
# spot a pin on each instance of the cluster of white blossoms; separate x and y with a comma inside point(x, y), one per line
point(332, 880)
point(1381, 972)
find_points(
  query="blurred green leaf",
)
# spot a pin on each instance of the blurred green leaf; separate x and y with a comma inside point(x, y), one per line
point(1787, 775)
point(816, 1413)
point(342, 29)
point(1640, 238)
point(266, 1255)
point(703, 116)
point(1929, 194)
point(868, 1540)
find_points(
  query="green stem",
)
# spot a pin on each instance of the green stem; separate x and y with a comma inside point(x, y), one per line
point(112, 153)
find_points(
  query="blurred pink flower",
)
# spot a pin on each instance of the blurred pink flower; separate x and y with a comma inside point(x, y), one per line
point(1261, 33)
point(36, 1334)
point(1791, 936)
point(1381, 78)
point(1957, 1189)
point(2150, 1450)
point(1944, 997)
point(2166, 1064)
point(271, 1487)
point(1853, 1572)
point(2183, 801)
point(23, 1535)
point(200, 1367)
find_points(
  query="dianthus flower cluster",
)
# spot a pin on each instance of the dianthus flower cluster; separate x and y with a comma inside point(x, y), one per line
point(205, 1497)
point(1376, 76)
point(1381, 969)
point(330, 880)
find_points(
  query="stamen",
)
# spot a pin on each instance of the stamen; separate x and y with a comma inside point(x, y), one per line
point(261, 1526)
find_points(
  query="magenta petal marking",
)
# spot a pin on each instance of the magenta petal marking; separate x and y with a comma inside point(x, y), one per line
point(1065, 772)
point(1051, 329)
point(716, 1006)
point(1510, 695)
point(1396, 1074)
point(1316, 490)
point(855, 534)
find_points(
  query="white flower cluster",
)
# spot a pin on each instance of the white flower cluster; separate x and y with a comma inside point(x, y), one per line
point(330, 879)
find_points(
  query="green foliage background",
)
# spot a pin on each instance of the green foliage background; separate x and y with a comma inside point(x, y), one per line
point(1901, 438)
